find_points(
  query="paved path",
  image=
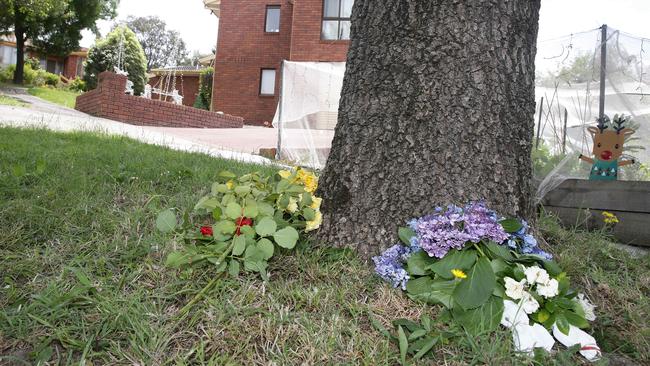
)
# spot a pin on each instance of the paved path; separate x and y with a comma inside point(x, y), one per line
point(238, 144)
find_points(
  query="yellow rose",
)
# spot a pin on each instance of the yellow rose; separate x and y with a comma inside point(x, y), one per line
point(284, 174)
point(315, 203)
point(230, 184)
point(293, 205)
point(315, 223)
point(310, 182)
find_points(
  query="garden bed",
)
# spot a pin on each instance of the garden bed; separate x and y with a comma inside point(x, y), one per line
point(581, 203)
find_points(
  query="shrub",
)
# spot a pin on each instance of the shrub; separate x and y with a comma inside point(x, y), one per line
point(103, 56)
point(34, 63)
point(204, 98)
point(51, 79)
point(77, 85)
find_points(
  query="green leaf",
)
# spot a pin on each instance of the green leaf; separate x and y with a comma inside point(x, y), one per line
point(403, 344)
point(266, 226)
point(541, 316)
point(233, 210)
point(307, 199)
point(216, 213)
point(282, 186)
point(81, 276)
point(500, 251)
point(219, 188)
point(417, 334)
point(207, 203)
point(177, 259)
point(576, 320)
point(225, 227)
point(233, 268)
point(379, 327)
point(408, 324)
point(456, 259)
point(511, 225)
point(552, 268)
point(242, 190)
point(166, 221)
point(239, 246)
point(308, 213)
point(250, 209)
point(485, 318)
point(248, 231)
point(426, 322)
point(562, 323)
point(405, 234)
point(431, 291)
point(477, 288)
point(265, 209)
point(286, 237)
point(426, 347)
point(265, 246)
point(418, 263)
point(499, 265)
point(226, 175)
point(283, 202)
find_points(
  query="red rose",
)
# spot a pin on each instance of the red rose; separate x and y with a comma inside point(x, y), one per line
point(206, 230)
point(242, 221)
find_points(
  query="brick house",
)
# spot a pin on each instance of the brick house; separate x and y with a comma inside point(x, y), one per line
point(255, 36)
point(70, 66)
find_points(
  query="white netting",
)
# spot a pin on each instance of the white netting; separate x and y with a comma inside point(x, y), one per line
point(568, 74)
point(568, 80)
point(308, 110)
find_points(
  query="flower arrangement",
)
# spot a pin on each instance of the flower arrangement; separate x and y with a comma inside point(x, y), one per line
point(245, 220)
point(480, 267)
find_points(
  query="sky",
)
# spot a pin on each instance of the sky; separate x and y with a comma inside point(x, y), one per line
point(198, 26)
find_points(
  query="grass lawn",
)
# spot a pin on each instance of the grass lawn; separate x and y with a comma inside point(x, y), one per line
point(83, 276)
point(62, 97)
point(6, 100)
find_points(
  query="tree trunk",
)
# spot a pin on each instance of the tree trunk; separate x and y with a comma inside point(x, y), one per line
point(19, 32)
point(437, 107)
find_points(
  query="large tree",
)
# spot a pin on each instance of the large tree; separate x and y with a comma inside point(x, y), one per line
point(437, 107)
point(53, 26)
point(162, 47)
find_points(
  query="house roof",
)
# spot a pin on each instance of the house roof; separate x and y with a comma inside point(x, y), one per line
point(214, 6)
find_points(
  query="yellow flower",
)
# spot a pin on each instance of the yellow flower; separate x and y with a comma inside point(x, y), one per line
point(315, 203)
point(609, 218)
point(315, 223)
point(284, 174)
point(293, 205)
point(230, 184)
point(458, 273)
point(310, 182)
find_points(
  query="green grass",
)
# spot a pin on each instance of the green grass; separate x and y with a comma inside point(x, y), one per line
point(83, 276)
point(62, 97)
point(6, 100)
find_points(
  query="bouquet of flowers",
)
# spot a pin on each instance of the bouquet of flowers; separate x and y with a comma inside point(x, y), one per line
point(243, 220)
point(486, 270)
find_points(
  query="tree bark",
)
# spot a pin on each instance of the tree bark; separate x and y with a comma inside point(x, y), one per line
point(437, 107)
point(19, 32)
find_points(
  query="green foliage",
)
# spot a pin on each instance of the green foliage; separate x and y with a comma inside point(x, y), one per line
point(52, 79)
point(62, 97)
point(53, 26)
point(250, 215)
point(77, 85)
point(204, 97)
point(161, 47)
point(6, 100)
point(31, 76)
point(103, 56)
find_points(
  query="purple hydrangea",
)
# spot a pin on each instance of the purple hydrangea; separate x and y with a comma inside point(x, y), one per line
point(450, 229)
point(390, 265)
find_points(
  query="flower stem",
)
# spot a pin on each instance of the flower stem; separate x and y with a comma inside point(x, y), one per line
point(207, 287)
point(479, 250)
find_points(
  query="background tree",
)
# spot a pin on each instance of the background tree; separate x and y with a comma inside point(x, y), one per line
point(162, 47)
point(437, 107)
point(53, 26)
point(104, 55)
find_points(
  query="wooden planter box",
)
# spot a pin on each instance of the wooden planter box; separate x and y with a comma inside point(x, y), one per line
point(581, 202)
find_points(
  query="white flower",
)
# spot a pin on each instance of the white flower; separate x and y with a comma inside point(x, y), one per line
point(588, 307)
point(536, 275)
point(550, 289)
point(514, 289)
point(528, 303)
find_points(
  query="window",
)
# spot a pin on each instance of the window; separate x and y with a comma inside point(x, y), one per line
point(272, 23)
point(267, 82)
point(336, 19)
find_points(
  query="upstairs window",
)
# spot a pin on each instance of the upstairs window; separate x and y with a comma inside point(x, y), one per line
point(267, 82)
point(336, 20)
point(272, 23)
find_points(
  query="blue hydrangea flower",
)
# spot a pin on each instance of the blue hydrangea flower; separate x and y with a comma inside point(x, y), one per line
point(390, 265)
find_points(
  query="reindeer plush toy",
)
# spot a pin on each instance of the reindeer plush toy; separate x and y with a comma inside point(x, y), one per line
point(608, 137)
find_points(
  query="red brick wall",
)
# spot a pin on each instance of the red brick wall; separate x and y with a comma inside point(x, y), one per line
point(109, 101)
point(306, 43)
point(189, 88)
point(70, 66)
point(243, 50)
